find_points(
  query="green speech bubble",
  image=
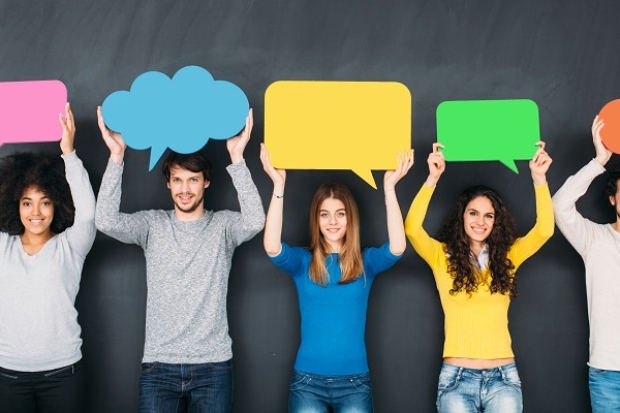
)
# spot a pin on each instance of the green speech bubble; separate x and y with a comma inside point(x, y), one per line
point(488, 130)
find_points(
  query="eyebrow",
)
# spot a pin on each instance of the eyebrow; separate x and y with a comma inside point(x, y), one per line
point(475, 210)
point(30, 199)
point(338, 210)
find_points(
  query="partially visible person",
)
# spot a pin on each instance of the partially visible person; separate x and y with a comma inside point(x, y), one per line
point(333, 277)
point(599, 246)
point(187, 362)
point(47, 226)
point(474, 260)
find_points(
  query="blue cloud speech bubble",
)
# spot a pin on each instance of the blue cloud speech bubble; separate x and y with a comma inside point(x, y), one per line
point(181, 113)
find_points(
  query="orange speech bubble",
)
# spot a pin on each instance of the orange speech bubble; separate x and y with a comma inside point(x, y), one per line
point(610, 134)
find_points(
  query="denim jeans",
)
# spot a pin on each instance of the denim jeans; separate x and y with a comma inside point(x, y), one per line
point(496, 390)
point(310, 393)
point(195, 388)
point(604, 390)
point(60, 390)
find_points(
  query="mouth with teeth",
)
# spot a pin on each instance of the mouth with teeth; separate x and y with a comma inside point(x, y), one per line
point(185, 198)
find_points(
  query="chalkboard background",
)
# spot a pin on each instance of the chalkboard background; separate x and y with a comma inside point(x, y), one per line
point(564, 55)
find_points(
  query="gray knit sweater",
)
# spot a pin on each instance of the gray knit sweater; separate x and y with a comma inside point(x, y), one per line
point(187, 267)
point(599, 246)
point(38, 321)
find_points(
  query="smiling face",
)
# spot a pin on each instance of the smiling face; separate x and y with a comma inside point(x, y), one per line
point(187, 189)
point(478, 219)
point(36, 211)
point(333, 222)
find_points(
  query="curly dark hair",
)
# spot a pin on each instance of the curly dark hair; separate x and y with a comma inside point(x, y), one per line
point(611, 187)
point(46, 172)
point(456, 244)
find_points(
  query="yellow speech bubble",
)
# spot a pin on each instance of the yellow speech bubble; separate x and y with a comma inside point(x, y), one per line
point(360, 126)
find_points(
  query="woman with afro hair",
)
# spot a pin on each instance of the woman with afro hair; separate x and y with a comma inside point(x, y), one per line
point(474, 260)
point(47, 212)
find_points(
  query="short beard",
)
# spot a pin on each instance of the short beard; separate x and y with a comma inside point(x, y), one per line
point(192, 207)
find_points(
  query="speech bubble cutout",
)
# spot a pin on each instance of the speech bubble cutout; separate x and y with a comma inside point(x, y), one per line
point(488, 130)
point(359, 126)
point(181, 113)
point(610, 134)
point(29, 111)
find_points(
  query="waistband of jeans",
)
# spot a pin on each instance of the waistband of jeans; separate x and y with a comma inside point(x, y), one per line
point(459, 369)
point(335, 377)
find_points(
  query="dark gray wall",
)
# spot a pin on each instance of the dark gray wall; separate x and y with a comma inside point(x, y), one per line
point(564, 55)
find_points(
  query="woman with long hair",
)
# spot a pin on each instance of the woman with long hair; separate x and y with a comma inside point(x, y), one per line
point(474, 260)
point(47, 226)
point(333, 277)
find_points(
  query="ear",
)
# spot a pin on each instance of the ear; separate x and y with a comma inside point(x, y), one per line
point(168, 184)
point(207, 183)
point(612, 201)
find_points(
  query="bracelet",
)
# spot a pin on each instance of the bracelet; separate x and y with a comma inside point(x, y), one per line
point(278, 196)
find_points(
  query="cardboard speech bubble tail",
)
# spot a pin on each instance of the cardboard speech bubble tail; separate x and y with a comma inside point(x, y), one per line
point(366, 175)
point(510, 164)
point(156, 153)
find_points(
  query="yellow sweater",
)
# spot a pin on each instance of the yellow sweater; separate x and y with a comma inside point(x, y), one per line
point(476, 326)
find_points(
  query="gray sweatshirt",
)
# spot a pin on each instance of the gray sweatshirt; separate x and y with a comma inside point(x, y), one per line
point(38, 321)
point(599, 246)
point(187, 267)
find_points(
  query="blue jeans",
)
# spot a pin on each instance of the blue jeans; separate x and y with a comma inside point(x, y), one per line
point(310, 393)
point(61, 390)
point(496, 390)
point(604, 390)
point(195, 388)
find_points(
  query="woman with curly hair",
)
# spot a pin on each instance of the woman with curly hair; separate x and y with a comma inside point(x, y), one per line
point(333, 277)
point(47, 213)
point(474, 260)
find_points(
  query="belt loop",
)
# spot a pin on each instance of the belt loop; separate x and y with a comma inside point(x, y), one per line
point(501, 370)
point(458, 376)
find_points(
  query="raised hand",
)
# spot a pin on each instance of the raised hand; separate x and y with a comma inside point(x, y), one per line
point(68, 130)
point(539, 165)
point(436, 165)
point(278, 176)
point(113, 140)
point(236, 145)
point(391, 178)
point(602, 153)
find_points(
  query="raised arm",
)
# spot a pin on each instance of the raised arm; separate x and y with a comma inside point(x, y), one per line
point(81, 234)
point(128, 228)
point(396, 230)
point(272, 239)
point(575, 227)
point(252, 212)
point(543, 228)
point(427, 247)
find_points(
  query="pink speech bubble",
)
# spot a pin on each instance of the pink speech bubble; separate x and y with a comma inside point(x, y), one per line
point(29, 111)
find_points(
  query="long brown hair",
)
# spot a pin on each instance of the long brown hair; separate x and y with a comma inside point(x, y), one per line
point(350, 254)
point(456, 244)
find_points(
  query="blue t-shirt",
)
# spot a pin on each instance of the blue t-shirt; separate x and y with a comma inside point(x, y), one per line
point(333, 317)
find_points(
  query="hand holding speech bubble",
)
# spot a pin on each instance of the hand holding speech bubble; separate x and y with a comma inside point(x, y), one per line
point(181, 113)
point(488, 130)
point(610, 133)
point(358, 126)
point(29, 111)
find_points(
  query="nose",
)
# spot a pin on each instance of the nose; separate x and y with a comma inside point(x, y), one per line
point(35, 209)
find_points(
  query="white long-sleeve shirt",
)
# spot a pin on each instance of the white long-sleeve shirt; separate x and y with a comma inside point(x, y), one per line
point(38, 321)
point(599, 246)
